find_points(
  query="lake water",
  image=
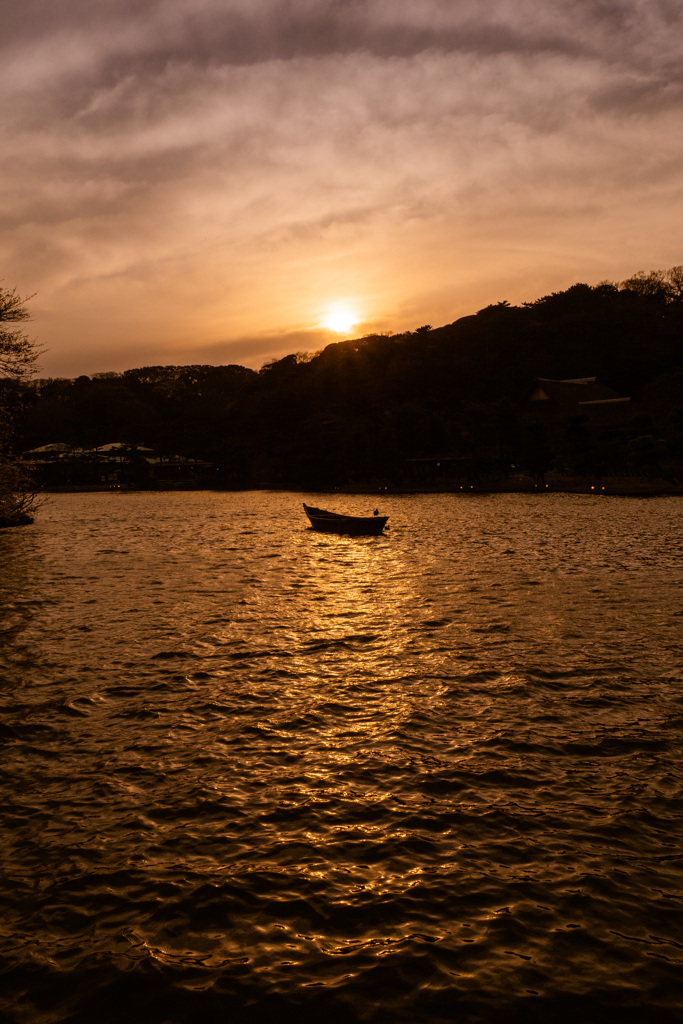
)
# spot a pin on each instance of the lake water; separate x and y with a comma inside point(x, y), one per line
point(254, 773)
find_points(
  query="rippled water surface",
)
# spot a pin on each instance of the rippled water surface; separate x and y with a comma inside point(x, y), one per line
point(255, 773)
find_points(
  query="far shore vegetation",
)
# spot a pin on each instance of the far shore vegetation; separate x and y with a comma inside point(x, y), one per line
point(583, 384)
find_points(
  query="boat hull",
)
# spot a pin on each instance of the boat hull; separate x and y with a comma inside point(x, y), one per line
point(355, 526)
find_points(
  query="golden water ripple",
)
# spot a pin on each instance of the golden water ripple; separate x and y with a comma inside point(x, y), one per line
point(250, 771)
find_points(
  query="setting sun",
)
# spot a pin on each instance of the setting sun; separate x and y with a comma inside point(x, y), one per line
point(340, 320)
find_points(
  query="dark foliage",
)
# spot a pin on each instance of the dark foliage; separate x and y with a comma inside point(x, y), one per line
point(18, 354)
point(360, 410)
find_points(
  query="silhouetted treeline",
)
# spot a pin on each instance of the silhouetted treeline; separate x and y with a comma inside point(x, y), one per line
point(360, 410)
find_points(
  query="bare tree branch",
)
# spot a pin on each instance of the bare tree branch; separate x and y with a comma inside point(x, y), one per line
point(18, 355)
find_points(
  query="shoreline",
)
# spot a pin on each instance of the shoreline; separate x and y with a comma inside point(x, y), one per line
point(635, 487)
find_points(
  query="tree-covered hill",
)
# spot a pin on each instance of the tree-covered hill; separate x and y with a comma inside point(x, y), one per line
point(361, 410)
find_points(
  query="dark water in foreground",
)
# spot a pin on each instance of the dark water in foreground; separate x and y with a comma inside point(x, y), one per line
point(253, 773)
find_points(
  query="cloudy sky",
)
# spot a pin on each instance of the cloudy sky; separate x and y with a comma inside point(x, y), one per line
point(207, 180)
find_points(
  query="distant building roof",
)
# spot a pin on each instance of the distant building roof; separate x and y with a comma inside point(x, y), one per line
point(117, 451)
point(577, 391)
point(47, 449)
point(580, 396)
point(114, 446)
point(605, 401)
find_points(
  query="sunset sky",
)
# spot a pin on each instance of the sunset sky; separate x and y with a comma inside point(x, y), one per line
point(211, 181)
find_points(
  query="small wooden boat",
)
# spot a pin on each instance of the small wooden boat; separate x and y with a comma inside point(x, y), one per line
point(333, 522)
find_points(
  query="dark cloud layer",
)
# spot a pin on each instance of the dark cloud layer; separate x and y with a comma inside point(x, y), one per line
point(107, 41)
